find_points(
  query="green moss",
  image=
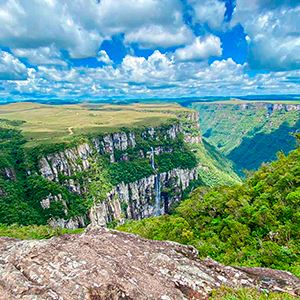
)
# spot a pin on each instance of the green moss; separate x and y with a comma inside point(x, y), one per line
point(34, 232)
point(248, 294)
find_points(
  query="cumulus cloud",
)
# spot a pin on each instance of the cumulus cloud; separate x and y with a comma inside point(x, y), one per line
point(200, 49)
point(11, 68)
point(153, 36)
point(273, 32)
point(210, 12)
point(103, 57)
point(41, 56)
point(80, 26)
point(50, 34)
point(155, 76)
point(34, 24)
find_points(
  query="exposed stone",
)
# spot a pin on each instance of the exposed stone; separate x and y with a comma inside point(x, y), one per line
point(137, 198)
point(10, 173)
point(76, 222)
point(134, 200)
point(104, 264)
point(270, 107)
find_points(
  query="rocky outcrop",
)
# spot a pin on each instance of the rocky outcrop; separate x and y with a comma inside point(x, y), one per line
point(270, 107)
point(8, 173)
point(104, 264)
point(76, 159)
point(136, 200)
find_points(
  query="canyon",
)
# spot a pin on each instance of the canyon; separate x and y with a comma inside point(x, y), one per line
point(250, 133)
point(101, 177)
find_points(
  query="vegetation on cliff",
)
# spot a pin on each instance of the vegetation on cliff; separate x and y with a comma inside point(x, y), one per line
point(249, 133)
point(24, 142)
point(35, 231)
point(256, 223)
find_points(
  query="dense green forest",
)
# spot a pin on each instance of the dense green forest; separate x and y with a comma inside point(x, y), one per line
point(248, 133)
point(256, 223)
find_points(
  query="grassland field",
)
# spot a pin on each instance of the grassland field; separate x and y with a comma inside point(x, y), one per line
point(56, 123)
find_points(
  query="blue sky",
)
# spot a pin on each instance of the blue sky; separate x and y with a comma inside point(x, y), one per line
point(105, 49)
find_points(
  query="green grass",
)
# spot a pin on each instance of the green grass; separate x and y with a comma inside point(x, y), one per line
point(248, 294)
point(34, 232)
point(59, 123)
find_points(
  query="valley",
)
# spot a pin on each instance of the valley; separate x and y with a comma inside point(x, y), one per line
point(70, 175)
point(249, 132)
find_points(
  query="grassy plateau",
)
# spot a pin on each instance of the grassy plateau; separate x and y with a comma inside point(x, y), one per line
point(58, 123)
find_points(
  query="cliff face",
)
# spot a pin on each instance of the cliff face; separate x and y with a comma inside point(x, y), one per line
point(271, 107)
point(136, 200)
point(104, 264)
point(146, 196)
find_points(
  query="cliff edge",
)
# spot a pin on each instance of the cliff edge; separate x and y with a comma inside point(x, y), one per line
point(106, 264)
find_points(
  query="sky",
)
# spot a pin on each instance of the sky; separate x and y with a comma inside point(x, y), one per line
point(138, 49)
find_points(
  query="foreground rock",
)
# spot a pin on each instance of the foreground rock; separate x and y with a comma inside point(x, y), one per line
point(103, 264)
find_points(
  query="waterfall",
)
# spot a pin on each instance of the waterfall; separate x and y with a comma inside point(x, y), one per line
point(152, 159)
point(157, 185)
point(157, 195)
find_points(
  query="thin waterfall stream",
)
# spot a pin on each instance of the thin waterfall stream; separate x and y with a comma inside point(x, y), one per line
point(157, 185)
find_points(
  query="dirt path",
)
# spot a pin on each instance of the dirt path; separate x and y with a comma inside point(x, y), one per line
point(70, 129)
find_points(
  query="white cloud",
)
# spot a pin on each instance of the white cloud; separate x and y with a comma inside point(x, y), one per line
point(200, 49)
point(210, 12)
point(138, 69)
point(11, 68)
point(103, 57)
point(41, 56)
point(80, 26)
point(41, 31)
point(157, 76)
point(273, 32)
point(34, 24)
point(153, 36)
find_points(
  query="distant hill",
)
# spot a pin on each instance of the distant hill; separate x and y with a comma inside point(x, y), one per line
point(250, 133)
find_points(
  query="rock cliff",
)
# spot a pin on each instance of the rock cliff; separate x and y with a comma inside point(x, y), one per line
point(136, 200)
point(74, 169)
point(104, 264)
point(271, 107)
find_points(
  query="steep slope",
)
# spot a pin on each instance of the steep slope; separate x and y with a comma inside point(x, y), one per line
point(256, 223)
point(214, 168)
point(249, 133)
point(103, 176)
point(104, 264)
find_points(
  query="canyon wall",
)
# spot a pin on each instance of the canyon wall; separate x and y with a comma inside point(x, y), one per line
point(75, 168)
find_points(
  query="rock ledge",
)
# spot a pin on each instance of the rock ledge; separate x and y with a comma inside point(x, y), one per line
point(106, 264)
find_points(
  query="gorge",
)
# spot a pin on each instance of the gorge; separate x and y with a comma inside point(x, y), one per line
point(103, 178)
point(250, 132)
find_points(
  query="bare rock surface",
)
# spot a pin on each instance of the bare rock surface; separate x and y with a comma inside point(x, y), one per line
point(105, 264)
